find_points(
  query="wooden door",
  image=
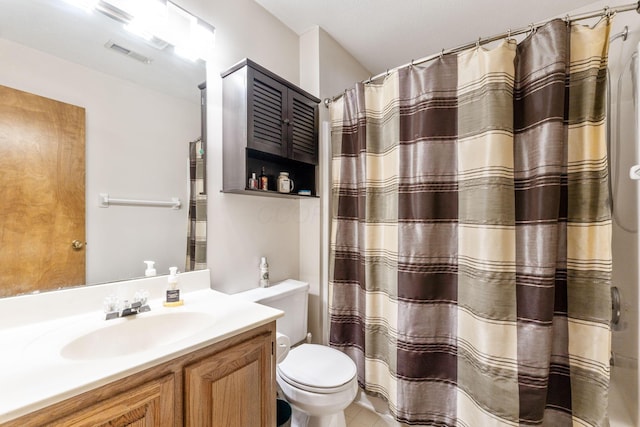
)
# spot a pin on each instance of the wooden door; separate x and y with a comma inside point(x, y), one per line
point(42, 197)
point(233, 387)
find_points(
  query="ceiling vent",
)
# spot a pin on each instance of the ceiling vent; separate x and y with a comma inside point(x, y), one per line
point(130, 53)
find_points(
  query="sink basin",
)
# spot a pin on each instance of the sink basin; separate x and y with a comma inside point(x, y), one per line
point(134, 334)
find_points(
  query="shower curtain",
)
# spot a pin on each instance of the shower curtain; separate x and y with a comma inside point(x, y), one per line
point(197, 227)
point(471, 234)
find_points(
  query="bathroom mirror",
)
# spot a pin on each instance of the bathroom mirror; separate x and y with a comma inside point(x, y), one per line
point(142, 108)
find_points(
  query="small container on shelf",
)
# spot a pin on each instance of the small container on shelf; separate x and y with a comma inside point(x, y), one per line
point(264, 181)
point(253, 182)
point(285, 184)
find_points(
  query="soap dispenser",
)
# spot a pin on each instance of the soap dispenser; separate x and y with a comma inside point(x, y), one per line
point(150, 271)
point(173, 293)
point(264, 273)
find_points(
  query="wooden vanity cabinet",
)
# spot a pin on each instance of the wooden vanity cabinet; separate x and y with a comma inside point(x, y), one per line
point(267, 123)
point(230, 383)
point(147, 405)
point(230, 389)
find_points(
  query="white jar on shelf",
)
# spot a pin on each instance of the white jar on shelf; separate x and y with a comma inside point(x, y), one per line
point(285, 184)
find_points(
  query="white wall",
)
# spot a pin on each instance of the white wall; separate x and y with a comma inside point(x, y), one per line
point(310, 226)
point(327, 69)
point(243, 228)
point(136, 147)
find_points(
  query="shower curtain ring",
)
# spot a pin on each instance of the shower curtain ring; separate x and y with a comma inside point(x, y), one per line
point(411, 64)
point(567, 19)
point(442, 54)
point(478, 43)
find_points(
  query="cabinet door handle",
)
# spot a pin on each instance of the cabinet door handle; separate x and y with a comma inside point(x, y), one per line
point(286, 122)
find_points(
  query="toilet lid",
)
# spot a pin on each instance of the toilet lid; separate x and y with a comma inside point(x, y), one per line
point(317, 366)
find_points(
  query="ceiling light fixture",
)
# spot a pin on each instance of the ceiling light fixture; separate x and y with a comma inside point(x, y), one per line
point(161, 22)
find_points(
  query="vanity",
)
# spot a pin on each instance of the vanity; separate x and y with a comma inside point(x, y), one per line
point(209, 362)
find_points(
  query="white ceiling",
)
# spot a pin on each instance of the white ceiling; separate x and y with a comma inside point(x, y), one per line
point(383, 34)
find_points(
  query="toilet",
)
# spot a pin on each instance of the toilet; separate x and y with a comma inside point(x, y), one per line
point(318, 381)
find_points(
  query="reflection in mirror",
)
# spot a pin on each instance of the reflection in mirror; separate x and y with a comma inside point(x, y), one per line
point(139, 117)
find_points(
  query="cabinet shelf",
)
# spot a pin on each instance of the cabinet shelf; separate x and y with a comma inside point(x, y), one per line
point(269, 193)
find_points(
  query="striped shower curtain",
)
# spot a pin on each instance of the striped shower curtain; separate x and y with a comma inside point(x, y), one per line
point(197, 226)
point(471, 235)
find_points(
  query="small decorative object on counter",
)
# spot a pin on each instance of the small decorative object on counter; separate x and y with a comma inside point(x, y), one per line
point(264, 181)
point(304, 192)
point(173, 293)
point(285, 184)
point(150, 271)
point(264, 273)
point(253, 182)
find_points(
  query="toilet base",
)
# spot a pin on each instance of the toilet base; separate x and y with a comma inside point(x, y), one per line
point(301, 419)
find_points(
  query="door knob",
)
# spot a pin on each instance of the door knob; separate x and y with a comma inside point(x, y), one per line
point(77, 245)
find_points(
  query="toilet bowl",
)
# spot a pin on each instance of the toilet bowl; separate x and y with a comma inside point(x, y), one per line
point(318, 381)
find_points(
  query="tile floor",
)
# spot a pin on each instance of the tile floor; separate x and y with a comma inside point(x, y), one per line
point(359, 416)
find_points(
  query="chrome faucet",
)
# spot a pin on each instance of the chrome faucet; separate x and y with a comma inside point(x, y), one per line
point(113, 309)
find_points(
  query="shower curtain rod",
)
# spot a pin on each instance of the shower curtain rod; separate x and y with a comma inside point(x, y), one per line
point(606, 12)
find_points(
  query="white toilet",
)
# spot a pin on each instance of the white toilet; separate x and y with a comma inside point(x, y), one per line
point(318, 381)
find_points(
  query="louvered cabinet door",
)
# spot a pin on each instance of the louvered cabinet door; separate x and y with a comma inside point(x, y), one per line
point(303, 129)
point(267, 115)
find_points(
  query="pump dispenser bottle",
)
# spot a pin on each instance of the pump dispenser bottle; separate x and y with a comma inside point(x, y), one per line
point(150, 271)
point(173, 292)
point(264, 273)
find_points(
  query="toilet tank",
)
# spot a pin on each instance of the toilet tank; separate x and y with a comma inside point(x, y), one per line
point(290, 296)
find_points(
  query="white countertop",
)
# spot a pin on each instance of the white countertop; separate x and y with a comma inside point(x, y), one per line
point(34, 374)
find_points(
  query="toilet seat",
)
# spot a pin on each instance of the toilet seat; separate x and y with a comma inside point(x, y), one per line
point(317, 369)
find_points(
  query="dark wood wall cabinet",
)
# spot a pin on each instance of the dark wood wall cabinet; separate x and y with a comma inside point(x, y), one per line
point(270, 124)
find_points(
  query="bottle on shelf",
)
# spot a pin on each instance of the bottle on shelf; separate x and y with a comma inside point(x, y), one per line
point(150, 271)
point(264, 181)
point(253, 181)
